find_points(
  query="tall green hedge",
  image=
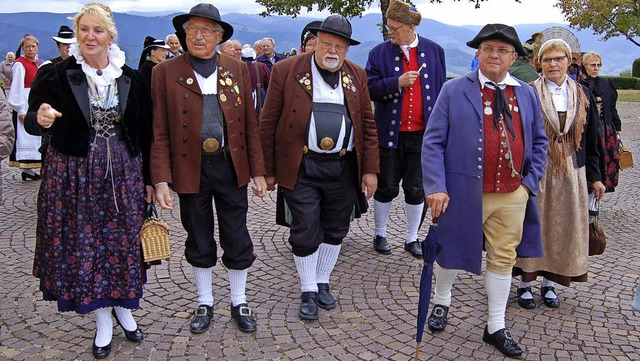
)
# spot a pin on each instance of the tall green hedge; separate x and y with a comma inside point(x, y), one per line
point(635, 70)
point(625, 82)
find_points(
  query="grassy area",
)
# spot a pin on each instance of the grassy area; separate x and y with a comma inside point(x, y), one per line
point(629, 95)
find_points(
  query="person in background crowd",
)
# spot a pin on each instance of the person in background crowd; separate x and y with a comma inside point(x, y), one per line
point(7, 134)
point(207, 145)
point(154, 51)
point(308, 40)
point(237, 47)
point(174, 46)
point(483, 155)
point(88, 256)
point(610, 129)
point(63, 41)
point(257, 47)
point(321, 148)
point(269, 55)
point(571, 123)
point(405, 76)
point(25, 155)
point(260, 76)
point(6, 72)
point(227, 48)
point(523, 68)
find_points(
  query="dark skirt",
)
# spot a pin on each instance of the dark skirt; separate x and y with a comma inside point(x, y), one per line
point(90, 211)
point(608, 146)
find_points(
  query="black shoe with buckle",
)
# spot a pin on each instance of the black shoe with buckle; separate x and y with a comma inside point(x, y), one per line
point(133, 336)
point(530, 303)
point(308, 306)
point(553, 302)
point(243, 316)
point(380, 245)
point(502, 340)
point(325, 299)
point(100, 352)
point(201, 319)
point(437, 321)
point(414, 248)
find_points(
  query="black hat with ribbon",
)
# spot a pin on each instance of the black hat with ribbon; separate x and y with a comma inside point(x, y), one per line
point(336, 25)
point(202, 10)
point(65, 35)
point(305, 34)
point(498, 32)
point(150, 43)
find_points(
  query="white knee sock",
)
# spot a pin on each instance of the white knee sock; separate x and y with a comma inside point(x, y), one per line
point(327, 258)
point(104, 326)
point(204, 280)
point(527, 295)
point(238, 284)
point(498, 287)
point(380, 215)
point(444, 282)
point(306, 267)
point(126, 318)
point(414, 216)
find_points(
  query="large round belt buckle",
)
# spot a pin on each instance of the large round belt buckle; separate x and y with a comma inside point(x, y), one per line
point(326, 143)
point(210, 145)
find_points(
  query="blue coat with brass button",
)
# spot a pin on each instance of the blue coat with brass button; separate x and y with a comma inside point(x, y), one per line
point(384, 67)
point(176, 151)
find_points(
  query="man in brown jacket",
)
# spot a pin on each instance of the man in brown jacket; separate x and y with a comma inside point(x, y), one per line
point(207, 145)
point(320, 146)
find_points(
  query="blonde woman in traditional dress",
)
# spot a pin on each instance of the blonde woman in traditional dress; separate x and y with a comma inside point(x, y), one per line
point(571, 124)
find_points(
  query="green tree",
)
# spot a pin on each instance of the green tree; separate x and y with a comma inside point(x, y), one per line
point(609, 18)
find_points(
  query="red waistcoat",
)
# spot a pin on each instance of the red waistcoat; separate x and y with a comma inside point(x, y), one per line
point(31, 68)
point(412, 117)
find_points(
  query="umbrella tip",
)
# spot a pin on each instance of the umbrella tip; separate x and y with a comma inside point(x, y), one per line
point(417, 351)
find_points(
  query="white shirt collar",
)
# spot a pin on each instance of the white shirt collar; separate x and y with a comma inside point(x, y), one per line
point(405, 48)
point(508, 80)
point(112, 71)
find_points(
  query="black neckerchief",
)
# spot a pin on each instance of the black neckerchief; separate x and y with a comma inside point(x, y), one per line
point(331, 78)
point(204, 67)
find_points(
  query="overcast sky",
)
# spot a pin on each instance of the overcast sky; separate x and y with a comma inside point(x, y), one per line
point(449, 12)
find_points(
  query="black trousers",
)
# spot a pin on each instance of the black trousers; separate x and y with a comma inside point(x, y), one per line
point(403, 163)
point(218, 181)
point(322, 202)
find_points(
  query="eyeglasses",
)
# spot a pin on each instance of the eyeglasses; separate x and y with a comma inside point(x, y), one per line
point(594, 65)
point(557, 59)
point(501, 50)
point(327, 46)
point(393, 28)
point(207, 32)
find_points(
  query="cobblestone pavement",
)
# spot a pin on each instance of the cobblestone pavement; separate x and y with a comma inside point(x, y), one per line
point(377, 297)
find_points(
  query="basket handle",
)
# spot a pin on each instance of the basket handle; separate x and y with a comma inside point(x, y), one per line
point(150, 210)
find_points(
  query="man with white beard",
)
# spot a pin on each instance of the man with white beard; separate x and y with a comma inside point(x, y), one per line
point(320, 146)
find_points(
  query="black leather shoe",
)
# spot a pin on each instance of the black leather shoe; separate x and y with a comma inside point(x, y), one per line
point(133, 336)
point(243, 316)
point(34, 176)
point(380, 245)
point(503, 341)
point(325, 299)
point(437, 321)
point(308, 307)
point(414, 248)
point(201, 319)
point(529, 304)
point(550, 302)
point(100, 352)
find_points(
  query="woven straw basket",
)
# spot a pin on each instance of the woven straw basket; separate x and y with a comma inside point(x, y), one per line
point(626, 157)
point(154, 237)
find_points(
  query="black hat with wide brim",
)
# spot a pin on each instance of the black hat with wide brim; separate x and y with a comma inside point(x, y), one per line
point(202, 10)
point(498, 32)
point(336, 25)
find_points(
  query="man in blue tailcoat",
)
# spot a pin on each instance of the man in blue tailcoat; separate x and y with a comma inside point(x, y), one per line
point(483, 155)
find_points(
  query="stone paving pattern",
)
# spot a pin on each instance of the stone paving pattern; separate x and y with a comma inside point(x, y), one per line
point(375, 318)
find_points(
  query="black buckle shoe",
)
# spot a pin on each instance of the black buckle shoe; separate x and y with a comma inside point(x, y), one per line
point(34, 176)
point(201, 319)
point(414, 248)
point(548, 301)
point(380, 245)
point(437, 321)
point(100, 352)
point(133, 336)
point(308, 307)
point(325, 299)
point(503, 341)
point(243, 316)
point(529, 304)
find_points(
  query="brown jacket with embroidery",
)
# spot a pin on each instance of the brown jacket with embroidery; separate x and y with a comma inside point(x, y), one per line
point(177, 122)
point(284, 118)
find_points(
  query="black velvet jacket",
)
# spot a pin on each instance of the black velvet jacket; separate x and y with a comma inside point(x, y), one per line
point(64, 87)
point(605, 89)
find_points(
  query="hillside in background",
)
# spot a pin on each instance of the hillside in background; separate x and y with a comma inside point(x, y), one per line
point(618, 53)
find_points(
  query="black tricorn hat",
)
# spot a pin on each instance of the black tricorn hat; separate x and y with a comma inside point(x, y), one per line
point(202, 10)
point(336, 25)
point(498, 32)
point(305, 30)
